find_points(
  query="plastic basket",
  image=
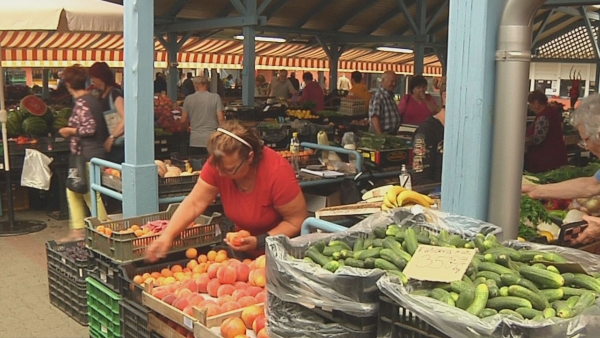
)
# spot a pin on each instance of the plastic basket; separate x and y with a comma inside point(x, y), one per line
point(167, 186)
point(134, 320)
point(68, 296)
point(74, 270)
point(396, 322)
point(127, 247)
point(106, 271)
point(103, 310)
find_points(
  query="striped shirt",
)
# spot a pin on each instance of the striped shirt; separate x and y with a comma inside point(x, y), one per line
point(383, 105)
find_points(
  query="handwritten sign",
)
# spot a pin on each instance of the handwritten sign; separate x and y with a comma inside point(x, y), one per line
point(439, 264)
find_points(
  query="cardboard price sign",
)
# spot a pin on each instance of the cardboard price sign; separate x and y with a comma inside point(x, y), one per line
point(439, 264)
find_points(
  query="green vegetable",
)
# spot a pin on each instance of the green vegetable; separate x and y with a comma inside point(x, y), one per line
point(509, 302)
point(529, 313)
point(487, 313)
point(332, 266)
point(534, 212)
point(317, 257)
point(480, 301)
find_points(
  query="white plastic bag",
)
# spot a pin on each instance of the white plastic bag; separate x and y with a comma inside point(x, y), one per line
point(36, 172)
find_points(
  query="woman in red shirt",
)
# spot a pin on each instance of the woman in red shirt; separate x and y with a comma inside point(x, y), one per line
point(416, 106)
point(312, 92)
point(258, 190)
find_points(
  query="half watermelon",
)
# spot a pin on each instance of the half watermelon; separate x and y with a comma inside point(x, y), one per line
point(32, 105)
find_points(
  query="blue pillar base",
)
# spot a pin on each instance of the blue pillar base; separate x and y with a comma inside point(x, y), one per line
point(139, 199)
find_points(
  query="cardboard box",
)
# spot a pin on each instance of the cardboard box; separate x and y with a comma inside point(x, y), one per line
point(316, 202)
point(388, 157)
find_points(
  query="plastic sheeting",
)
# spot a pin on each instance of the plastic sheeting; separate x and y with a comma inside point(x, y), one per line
point(458, 323)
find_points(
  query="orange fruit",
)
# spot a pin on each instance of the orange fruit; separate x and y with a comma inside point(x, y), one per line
point(138, 279)
point(155, 274)
point(161, 280)
point(202, 259)
point(135, 227)
point(146, 230)
point(166, 272)
point(203, 267)
point(191, 253)
point(146, 276)
point(169, 280)
point(211, 255)
point(108, 232)
point(243, 234)
point(230, 236)
point(192, 264)
point(100, 228)
point(176, 268)
point(221, 257)
point(138, 233)
point(223, 252)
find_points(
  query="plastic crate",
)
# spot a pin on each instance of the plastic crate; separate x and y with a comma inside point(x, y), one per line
point(134, 320)
point(167, 186)
point(128, 247)
point(396, 322)
point(68, 296)
point(103, 310)
point(106, 271)
point(74, 270)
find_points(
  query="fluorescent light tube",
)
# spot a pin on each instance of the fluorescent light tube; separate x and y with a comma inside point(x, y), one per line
point(395, 50)
point(261, 38)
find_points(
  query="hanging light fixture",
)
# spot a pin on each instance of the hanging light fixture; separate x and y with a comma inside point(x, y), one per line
point(262, 38)
point(395, 50)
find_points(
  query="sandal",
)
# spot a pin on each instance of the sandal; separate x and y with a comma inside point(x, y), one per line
point(74, 235)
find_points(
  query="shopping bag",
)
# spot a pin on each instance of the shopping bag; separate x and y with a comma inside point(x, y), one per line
point(113, 118)
point(77, 177)
point(36, 171)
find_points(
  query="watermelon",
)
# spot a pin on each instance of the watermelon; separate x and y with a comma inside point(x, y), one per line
point(34, 125)
point(13, 123)
point(63, 113)
point(32, 105)
point(59, 122)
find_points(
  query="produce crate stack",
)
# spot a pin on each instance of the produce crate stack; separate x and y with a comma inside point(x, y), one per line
point(68, 266)
point(103, 310)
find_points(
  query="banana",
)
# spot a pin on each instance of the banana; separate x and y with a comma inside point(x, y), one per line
point(376, 193)
point(375, 199)
point(428, 199)
point(393, 193)
point(388, 203)
point(384, 207)
point(410, 196)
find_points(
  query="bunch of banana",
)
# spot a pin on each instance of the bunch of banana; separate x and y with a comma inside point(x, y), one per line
point(398, 196)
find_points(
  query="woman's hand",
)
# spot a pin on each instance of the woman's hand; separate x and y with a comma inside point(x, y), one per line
point(158, 249)
point(244, 244)
point(591, 233)
point(530, 190)
point(67, 131)
point(108, 144)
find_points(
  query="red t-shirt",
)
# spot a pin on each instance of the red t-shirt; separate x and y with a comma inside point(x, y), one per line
point(413, 112)
point(275, 185)
point(312, 92)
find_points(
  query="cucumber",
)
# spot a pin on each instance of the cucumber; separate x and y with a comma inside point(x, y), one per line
point(507, 262)
point(377, 243)
point(467, 280)
point(487, 313)
point(585, 300)
point(369, 253)
point(572, 301)
point(368, 242)
point(568, 292)
point(423, 239)
point(503, 291)
point(317, 257)
point(319, 245)
point(337, 242)
point(337, 255)
point(509, 279)
point(528, 255)
point(355, 263)
point(332, 266)
point(489, 258)
point(489, 275)
point(466, 297)
point(552, 295)
point(510, 252)
point(553, 257)
point(423, 292)
point(479, 280)
point(582, 280)
point(308, 259)
point(382, 264)
point(493, 267)
point(433, 240)
point(459, 286)
point(493, 288)
point(444, 235)
point(552, 268)
point(480, 301)
point(538, 317)
point(400, 234)
point(410, 239)
point(512, 313)
point(457, 241)
point(563, 310)
point(454, 296)
point(539, 266)
point(392, 230)
point(341, 262)
point(549, 312)
point(330, 250)
point(393, 245)
point(370, 263)
point(490, 244)
point(400, 275)
point(346, 254)
point(391, 257)
point(379, 233)
point(529, 313)
point(537, 301)
point(442, 295)
point(508, 302)
point(358, 244)
point(478, 241)
point(542, 277)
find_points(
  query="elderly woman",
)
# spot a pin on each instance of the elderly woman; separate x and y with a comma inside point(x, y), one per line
point(87, 132)
point(258, 189)
point(546, 149)
point(416, 106)
point(586, 118)
point(260, 86)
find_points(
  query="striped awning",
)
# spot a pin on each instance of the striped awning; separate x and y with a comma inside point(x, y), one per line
point(54, 49)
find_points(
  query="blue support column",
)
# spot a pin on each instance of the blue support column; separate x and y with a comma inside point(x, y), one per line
point(473, 28)
point(334, 58)
point(172, 50)
point(321, 77)
point(140, 186)
point(249, 56)
point(419, 51)
point(45, 89)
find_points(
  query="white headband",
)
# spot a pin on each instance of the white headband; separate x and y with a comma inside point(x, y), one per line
point(227, 132)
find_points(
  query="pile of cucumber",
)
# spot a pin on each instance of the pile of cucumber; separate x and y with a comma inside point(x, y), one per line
point(519, 283)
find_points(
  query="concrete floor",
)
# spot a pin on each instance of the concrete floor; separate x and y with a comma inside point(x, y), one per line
point(26, 311)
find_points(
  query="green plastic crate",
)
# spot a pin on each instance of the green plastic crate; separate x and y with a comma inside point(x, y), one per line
point(127, 247)
point(103, 310)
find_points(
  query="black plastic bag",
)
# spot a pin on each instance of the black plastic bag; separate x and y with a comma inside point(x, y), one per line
point(77, 177)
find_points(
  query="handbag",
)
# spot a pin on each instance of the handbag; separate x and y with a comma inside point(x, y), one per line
point(77, 176)
point(113, 118)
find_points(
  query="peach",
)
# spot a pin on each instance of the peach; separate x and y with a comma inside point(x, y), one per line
point(225, 289)
point(224, 299)
point(202, 283)
point(169, 280)
point(181, 303)
point(260, 262)
point(259, 323)
point(213, 287)
point(206, 302)
point(242, 272)
point(247, 301)
point(212, 310)
point(251, 313)
point(241, 336)
point(262, 333)
point(257, 278)
point(190, 285)
point(233, 262)
point(183, 293)
point(188, 310)
point(237, 294)
point(196, 299)
point(212, 270)
point(232, 327)
point(226, 275)
point(247, 261)
point(241, 286)
point(261, 297)
point(230, 306)
point(169, 299)
point(254, 290)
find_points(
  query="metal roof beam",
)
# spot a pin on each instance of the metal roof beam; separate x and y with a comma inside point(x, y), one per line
point(558, 3)
point(263, 6)
point(555, 24)
point(347, 37)
point(353, 14)
point(274, 8)
point(590, 31)
point(369, 30)
point(176, 8)
point(226, 10)
point(209, 24)
point(577, 12)
point(313, 12)
point(539, 32)
point(436, 15)
point(561, 60)
point(407, 15)
point(239, 6)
